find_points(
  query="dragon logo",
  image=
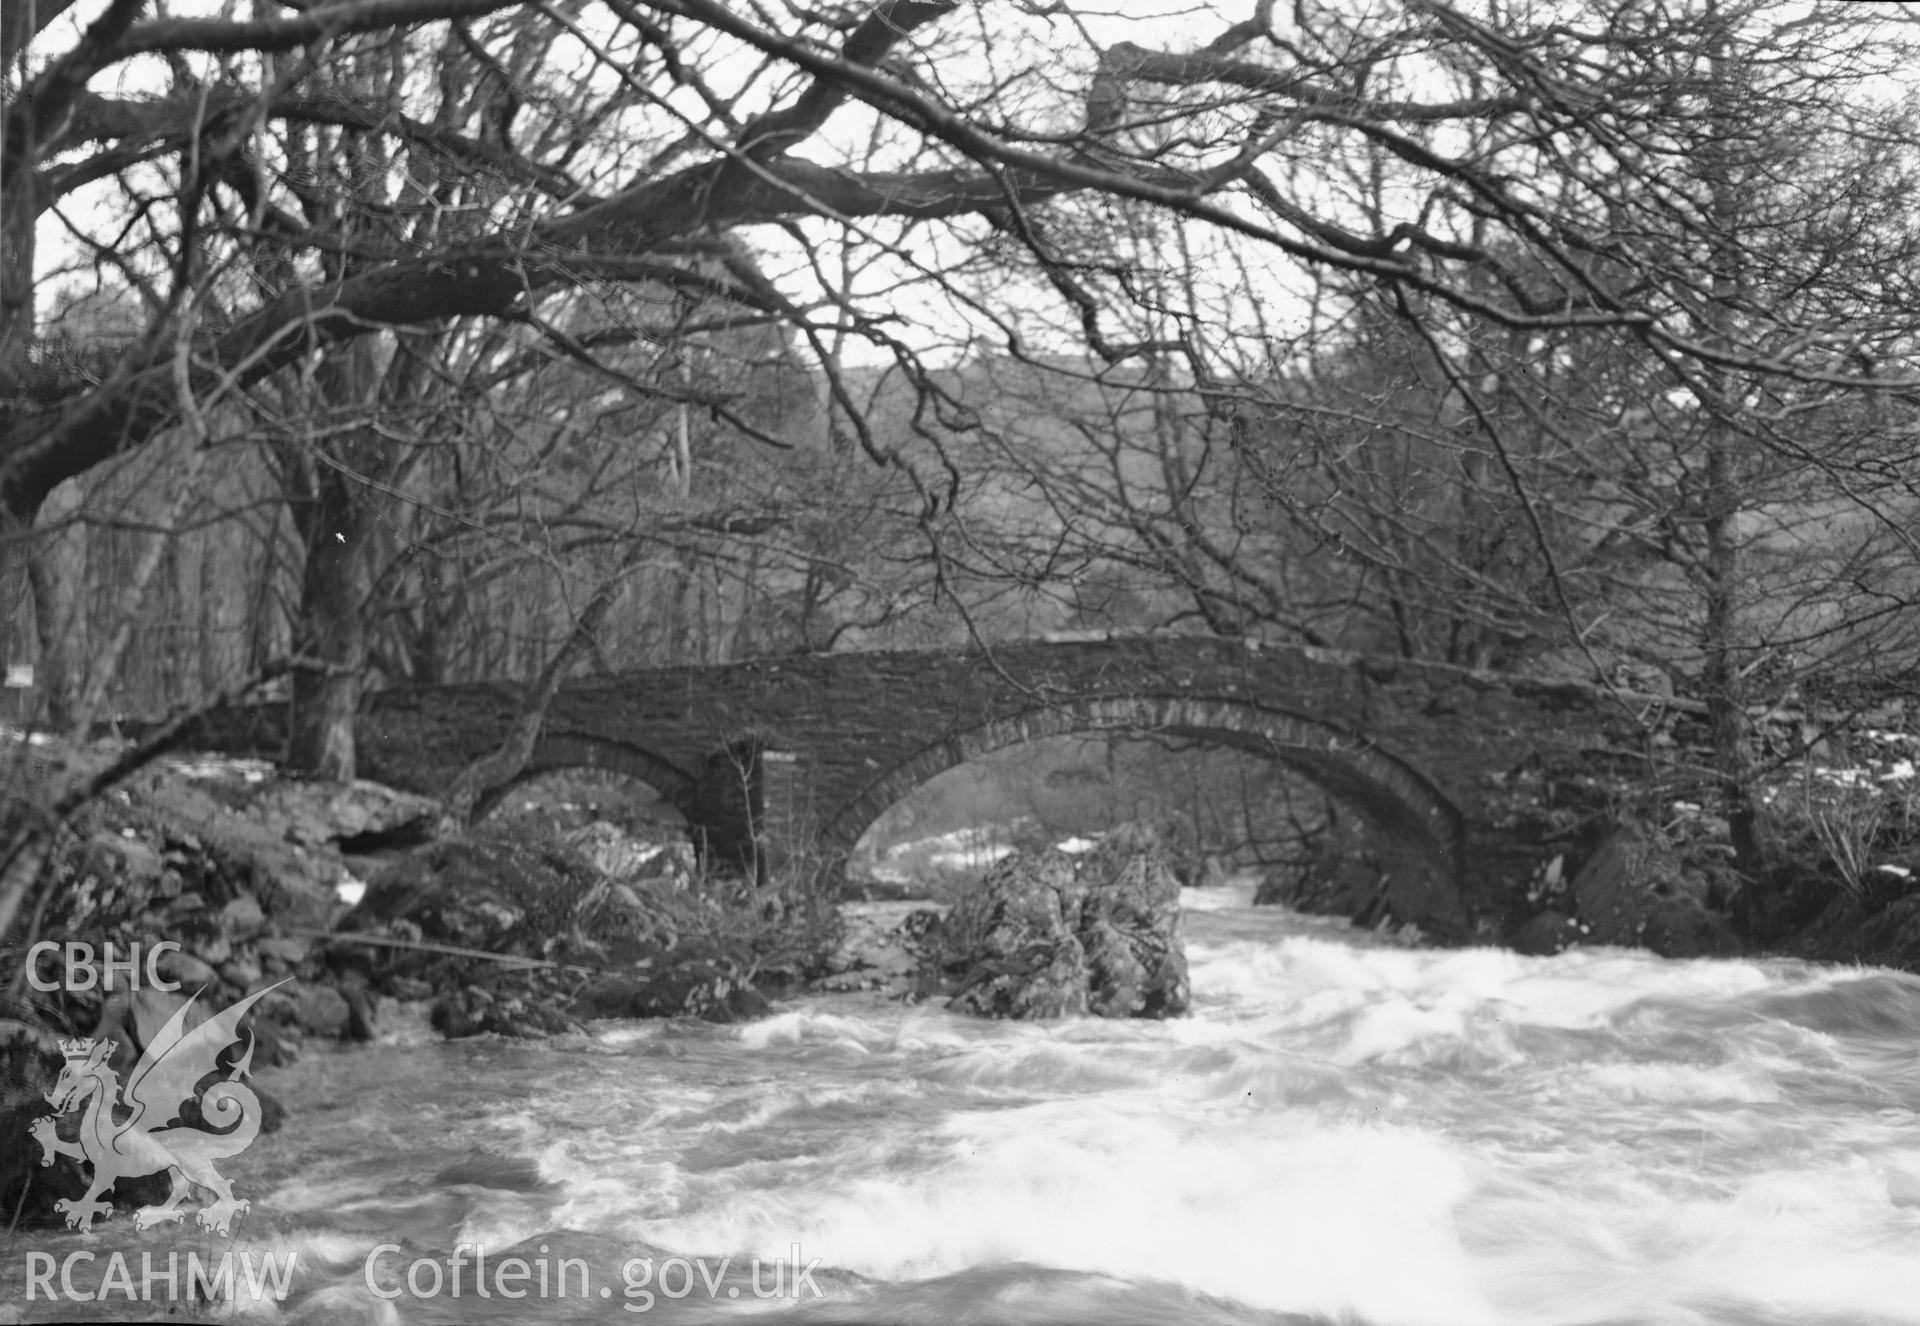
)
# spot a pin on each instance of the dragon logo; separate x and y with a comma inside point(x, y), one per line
point(138, 1144)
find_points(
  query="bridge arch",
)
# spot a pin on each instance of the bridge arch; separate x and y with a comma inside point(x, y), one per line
point(553, 752)
point(1420, 831)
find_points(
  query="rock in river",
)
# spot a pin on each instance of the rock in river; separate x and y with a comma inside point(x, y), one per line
point(1052, 935)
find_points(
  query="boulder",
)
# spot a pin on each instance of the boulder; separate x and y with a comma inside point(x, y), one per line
point(243, 916)
point(357, 814)
point(1052, 935)
point(190, 971)
point(1129, 927)
point(1618, 885)
point(689, 989)
point(124, 854)
point(1848, 932)
point(1636, 891)
point(1685, 929)
point(1792, 897)
point(321, 1011)
point(289, 951)
point(475, 1011)
point(1545, 934)
point(241, 973)
point(1012, 945)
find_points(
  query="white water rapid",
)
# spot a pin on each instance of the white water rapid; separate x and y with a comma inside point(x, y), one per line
point(1342, 1131)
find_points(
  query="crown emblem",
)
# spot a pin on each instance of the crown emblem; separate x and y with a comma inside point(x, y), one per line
point(77, 1049)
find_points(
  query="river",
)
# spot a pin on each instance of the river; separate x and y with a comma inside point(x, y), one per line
point(1344, 1130)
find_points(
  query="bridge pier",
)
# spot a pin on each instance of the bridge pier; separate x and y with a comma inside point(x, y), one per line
point(725, 808)
point(752, 808)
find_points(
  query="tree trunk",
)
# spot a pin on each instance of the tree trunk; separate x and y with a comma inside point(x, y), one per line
point(55, 676)
point(331, 635)
point(1725, 492)
point(18, 222)
point(1726, 698)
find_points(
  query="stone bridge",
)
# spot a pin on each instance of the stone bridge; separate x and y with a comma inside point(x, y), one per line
point(795, 757)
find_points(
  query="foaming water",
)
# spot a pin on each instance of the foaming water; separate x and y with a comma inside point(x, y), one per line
point(1344, 1130)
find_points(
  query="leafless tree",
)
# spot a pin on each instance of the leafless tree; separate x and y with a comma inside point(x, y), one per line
point(1548, 237)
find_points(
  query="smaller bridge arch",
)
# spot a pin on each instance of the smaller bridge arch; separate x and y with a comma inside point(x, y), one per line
point(555, 751)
